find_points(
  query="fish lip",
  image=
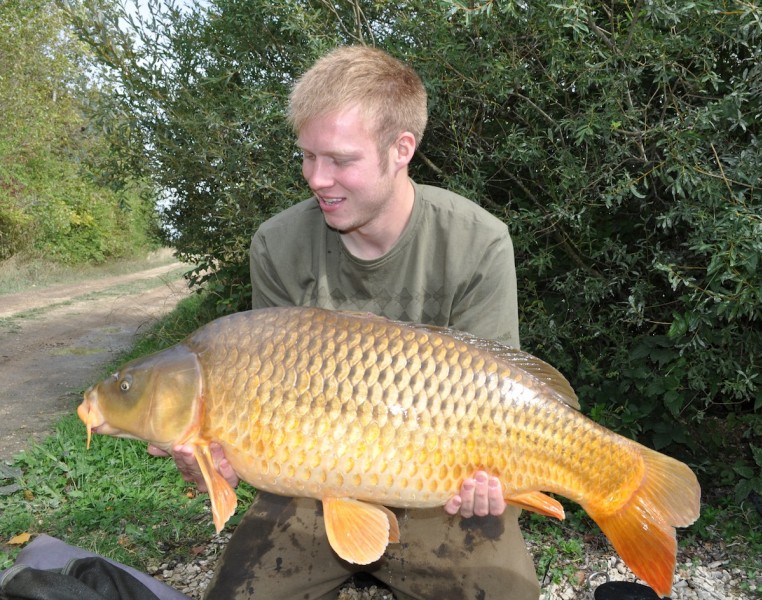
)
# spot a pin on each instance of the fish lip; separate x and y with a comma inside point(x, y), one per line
point(90, 415)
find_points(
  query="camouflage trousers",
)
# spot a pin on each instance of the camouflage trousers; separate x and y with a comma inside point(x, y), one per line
point(280, 551)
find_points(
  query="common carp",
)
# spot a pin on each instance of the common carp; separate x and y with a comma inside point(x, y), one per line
point(362, 413)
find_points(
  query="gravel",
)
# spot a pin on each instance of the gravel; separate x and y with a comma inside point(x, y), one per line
point(705, 573)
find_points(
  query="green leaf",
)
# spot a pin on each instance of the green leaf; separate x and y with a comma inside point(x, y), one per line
point(757, 454)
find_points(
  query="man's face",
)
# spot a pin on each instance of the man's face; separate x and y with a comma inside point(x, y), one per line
point(341, 163)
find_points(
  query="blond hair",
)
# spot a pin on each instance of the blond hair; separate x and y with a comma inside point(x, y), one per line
point(389, 94)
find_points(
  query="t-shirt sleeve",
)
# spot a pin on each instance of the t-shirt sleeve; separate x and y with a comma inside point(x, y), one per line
point(267, 289)
point(489, 306)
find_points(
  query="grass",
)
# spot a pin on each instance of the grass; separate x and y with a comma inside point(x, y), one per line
point(23, 274)
point(90, 499)
point(118, 501)
point(114, 499)
point(558, 547)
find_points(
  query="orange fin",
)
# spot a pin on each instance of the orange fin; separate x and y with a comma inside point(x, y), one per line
point(394, 527)
point(223, 497)
point(643, 529)
point(539, 503)
point(357, 531)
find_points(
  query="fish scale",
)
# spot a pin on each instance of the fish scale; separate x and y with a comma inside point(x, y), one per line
point(346, 381)
point(362, 413)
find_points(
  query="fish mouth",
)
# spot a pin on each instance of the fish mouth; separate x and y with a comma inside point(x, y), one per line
point(90, 415)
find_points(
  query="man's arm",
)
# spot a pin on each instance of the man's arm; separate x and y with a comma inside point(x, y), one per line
point(266, 288)
point(488, 309)
point(188, 466)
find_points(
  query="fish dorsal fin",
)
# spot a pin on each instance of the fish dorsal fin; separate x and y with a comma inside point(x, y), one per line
point(357, 531)
point(543, 372)
point(221, 494)
point(556, 384)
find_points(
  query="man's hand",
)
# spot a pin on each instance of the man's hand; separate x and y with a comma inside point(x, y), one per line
point(481, 495)
point(188, 466)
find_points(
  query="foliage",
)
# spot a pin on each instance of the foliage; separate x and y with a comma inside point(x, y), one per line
point(620, 141)
point(208, 101)
point(54, 201)
point(558, 548)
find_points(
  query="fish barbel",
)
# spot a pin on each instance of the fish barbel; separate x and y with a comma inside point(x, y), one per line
point(362, 413)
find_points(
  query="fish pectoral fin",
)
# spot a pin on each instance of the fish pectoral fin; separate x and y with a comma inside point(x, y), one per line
point(357, 531)
point(221, 494)
point(539, 503)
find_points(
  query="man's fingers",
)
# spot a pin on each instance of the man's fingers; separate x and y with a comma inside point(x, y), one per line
point(496, 500)
point(186, 463)
point(154, 451)
point(223, 466)
point(452, 507)
point(481, 494)
point(467, 498)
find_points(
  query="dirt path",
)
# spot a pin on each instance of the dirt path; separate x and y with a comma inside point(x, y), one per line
point(54, 343)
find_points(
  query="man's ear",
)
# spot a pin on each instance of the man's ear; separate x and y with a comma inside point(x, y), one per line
point(404, 148)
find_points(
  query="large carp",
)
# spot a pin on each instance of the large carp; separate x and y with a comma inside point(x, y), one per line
point(361, 412)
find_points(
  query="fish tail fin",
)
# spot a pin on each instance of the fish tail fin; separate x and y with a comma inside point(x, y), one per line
point(642, 530)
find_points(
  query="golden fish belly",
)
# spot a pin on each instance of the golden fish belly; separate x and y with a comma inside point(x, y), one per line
point(370, 410)
point(421, 470)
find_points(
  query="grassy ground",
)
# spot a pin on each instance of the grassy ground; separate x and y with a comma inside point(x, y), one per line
point(19, 274)
point(114, 499)
point(117, 500)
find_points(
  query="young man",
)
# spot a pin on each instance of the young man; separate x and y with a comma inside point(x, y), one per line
point(370, 239)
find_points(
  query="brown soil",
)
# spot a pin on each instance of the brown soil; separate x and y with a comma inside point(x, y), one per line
point(56, 342)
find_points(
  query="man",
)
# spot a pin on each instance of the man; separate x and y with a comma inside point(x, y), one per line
point(370, 239)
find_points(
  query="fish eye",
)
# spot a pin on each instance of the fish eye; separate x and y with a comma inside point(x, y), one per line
point(125, 384)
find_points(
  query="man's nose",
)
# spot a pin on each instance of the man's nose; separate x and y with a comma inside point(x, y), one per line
point(318, 174)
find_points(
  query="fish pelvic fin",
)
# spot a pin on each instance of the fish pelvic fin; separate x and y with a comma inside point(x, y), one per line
point(221, 494)
point(643, 529)
point(357, 531)
point(539, 503)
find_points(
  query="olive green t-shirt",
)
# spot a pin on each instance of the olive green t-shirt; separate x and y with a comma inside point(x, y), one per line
point(453, 266)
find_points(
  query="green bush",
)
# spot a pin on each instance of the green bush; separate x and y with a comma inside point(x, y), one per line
point(61, 196)
point(620, 143)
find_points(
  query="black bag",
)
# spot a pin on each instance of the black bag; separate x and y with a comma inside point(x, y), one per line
point(82, 579)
